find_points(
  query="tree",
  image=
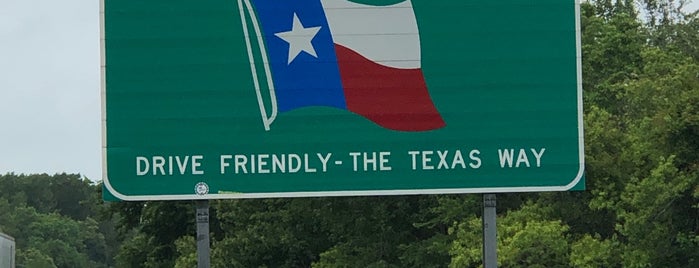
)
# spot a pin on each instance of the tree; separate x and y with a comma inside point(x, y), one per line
point(149, 231)
point(44, 236)
point(33, 258)
point(526, 238)
point(592, 252)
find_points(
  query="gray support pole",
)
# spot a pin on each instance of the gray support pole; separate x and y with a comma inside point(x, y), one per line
point(203, 246)
point(490, 242)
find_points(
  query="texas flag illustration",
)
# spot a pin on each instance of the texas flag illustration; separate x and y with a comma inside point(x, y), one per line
point(341, 54)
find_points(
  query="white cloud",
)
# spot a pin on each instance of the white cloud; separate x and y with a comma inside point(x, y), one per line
point(692, 6)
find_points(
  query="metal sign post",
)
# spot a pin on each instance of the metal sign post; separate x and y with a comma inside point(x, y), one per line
point(490, 242)
point(203, 245)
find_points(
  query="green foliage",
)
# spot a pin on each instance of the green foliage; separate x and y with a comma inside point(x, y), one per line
point(611, 48)
point(525, 239)
point(34, 258)
point(651, 214)
point(54, 229)
point(270, 232)
point(466, 250)
point(133, 252)
point(187, 251)
point(62, 193)
point(371, 231)
point(592, 252)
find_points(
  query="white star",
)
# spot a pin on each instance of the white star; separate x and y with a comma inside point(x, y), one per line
point(299, 39)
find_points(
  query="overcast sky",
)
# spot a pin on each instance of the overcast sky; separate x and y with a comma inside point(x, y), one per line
point(50, 87)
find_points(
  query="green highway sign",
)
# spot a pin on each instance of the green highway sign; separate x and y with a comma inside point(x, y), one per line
point(261, 98)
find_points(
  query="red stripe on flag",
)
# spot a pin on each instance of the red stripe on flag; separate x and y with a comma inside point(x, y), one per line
point(392, 98)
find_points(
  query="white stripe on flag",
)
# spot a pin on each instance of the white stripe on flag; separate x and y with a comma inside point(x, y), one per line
point(387, 35)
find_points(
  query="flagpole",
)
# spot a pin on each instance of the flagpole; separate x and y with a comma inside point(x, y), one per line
point(266, 120)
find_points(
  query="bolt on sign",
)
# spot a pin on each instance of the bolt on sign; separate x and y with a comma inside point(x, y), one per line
point(261, 98)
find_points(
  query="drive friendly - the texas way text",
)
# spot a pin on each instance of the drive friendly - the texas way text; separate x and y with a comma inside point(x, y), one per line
point(165, 165)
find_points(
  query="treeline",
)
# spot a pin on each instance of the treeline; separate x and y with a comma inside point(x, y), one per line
point(57, 221)
point(641, 209)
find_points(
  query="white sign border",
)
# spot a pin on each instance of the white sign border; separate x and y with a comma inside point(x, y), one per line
point(573, 183)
